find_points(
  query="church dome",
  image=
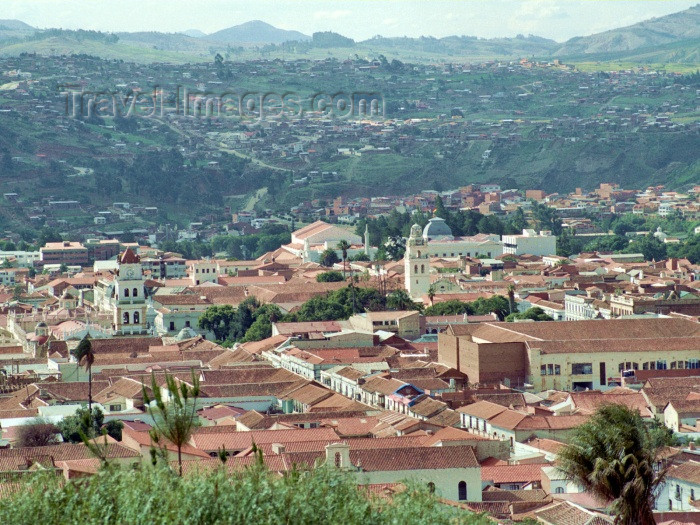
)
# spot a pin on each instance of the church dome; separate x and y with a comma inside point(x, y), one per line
point(42, 324)
point(186, 333)
point(437, 229)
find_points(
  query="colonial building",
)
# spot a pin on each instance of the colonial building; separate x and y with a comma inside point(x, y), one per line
point(568, 355)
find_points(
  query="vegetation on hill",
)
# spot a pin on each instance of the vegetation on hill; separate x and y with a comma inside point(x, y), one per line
point(156, 496)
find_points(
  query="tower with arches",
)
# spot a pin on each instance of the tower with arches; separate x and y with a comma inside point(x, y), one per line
point(416, 264)
point(129, 296)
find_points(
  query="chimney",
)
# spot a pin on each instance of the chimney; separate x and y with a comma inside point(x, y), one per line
point(278, 448)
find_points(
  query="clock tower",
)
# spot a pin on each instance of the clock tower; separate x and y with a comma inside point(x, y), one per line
point(129, 296)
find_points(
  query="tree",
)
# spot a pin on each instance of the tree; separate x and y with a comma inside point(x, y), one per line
point(38, 433)
point(261, 328)
point(400, 300)
point(86, 357)
point(84, 423)
point(511, 299)
point(113, 429)
point(218, 319)
point(330, 277)
point(651, 247)
point(534, 314)
point(431, 294)
point(329, 258)
point(175, 418)
point(344, 246)
point(452, 307)
point(612, 456)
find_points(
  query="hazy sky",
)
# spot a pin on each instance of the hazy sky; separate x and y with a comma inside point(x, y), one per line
point(359, 19)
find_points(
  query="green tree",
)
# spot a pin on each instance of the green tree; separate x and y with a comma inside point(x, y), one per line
point(534, 314)
point(400, 300)
point(175, 417)
point(651, 247)
point(330, 277)
point(612, 456)
point(113, 429)
point(329, 258)
point(440, 210)
point(84, 423)
point(261, 328)
point(218, 319)
point(344, 246)
point(85, 356)
point(451, 307)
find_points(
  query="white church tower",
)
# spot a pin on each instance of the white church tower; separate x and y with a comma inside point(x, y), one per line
point(130, 296)
point(416, 264)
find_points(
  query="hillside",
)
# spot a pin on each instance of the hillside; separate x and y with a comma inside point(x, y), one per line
point(256, 32)
point(669, 40)
point(684, 25)
point(14, 29)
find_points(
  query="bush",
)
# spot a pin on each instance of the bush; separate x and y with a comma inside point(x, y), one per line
point(329, 277)
point(155, 495)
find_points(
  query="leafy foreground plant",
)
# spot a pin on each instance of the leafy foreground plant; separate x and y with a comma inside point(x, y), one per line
point(156, 495)
point(613, 456)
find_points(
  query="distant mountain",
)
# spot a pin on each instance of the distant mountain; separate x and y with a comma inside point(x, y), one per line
point(194, 33)
point(684, 25)
point(256, 32)
point(15, 25)
point(14, 29)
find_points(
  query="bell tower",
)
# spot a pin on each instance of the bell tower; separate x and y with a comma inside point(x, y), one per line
point(416, 264)
point(129, 296)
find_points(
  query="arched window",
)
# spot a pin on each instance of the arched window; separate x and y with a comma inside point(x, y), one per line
point(422, 268)
point(136, 318)
point(415, 268)
point(126, 317)
point(126, 292)
point(431, 487)
point(135, 293)
point(559, 490)
point(462, 491)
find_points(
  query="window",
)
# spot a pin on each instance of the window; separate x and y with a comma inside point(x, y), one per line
point(692, 494)
point(415, 268)
point(557, 370)
point(692, 363)
point(550, 370)
point(678, 492)
point(187, 324)
point(543, 370)
point(126, 292)
point(135, 293)
point(559, 490)
point(136, 318)
point(172, 326)
point(431, 487)
point(661, 364)
point(581, 368)
point(126, 317)
point(115, 408)
point(422, 268)
point(337, 459)
point(462, 491)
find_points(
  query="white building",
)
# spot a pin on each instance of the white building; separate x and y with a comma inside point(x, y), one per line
point(530, 242)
